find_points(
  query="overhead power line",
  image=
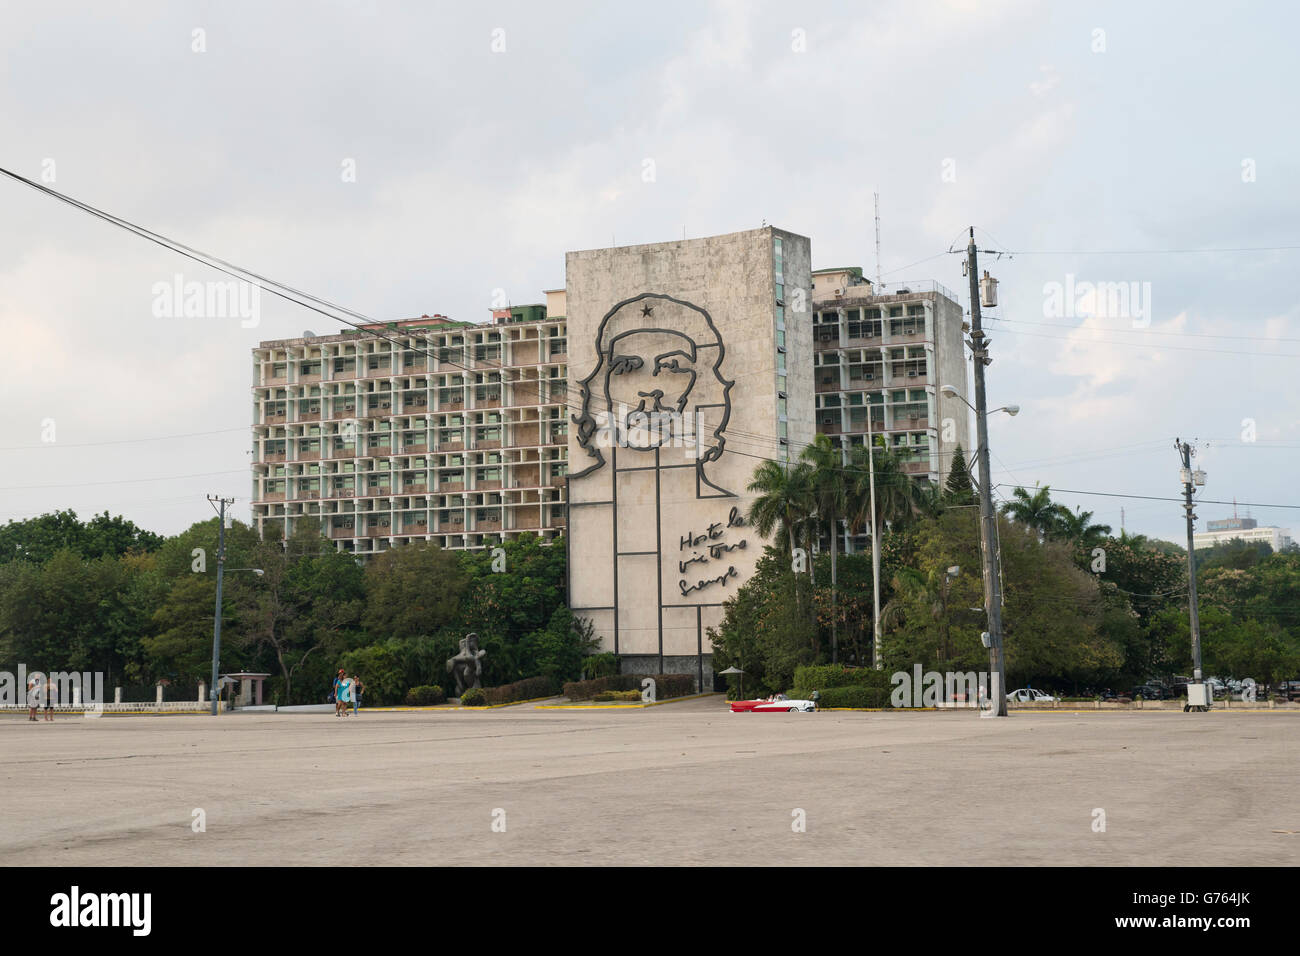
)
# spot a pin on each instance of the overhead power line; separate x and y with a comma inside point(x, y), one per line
point(1199, 501)
point(1130, 330)
point(128, 481)
point(315, 303)
point(122, 441)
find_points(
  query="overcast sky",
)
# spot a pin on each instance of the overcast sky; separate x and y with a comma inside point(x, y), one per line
point(487, 139)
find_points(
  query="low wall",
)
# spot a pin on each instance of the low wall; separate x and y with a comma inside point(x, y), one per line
point(142, 707)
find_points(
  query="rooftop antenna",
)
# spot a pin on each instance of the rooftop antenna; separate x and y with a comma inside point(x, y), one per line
point(877, 198)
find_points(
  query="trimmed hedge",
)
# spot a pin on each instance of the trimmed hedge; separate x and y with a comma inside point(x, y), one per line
point(474, 697)
point(528, 689)
point(854, 695)
point(825, 677)
point(626, 696)
point(425, 695)
point(667, 686)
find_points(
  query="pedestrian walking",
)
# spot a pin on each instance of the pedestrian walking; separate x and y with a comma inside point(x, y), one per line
point(33, 695)
point(336, 695)
point(345, 694)
point(357, 688)
point(49, 699)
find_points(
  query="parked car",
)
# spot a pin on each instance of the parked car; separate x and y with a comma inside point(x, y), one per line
point(1290, 689)
point(1028, 695)
point(1152, 692)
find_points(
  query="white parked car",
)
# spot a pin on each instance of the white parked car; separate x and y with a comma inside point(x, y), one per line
point(1028, 695)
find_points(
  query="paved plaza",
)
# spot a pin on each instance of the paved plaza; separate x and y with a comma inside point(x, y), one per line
point(686, 783)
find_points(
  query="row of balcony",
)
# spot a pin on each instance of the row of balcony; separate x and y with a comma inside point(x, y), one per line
point(412, 408)
point(421, 366)
point(859, 427)
point(347, 452)
point(829, 337)
point(443, 487)
point(900, 374)
point(533, 523)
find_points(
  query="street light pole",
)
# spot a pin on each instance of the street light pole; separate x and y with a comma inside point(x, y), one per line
point(216, 619)
point(877, 657)
point(992, 575)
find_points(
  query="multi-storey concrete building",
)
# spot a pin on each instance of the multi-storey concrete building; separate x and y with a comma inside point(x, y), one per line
point(693, 362)
point(459, 433)
point(882, 356)
point(423, 429)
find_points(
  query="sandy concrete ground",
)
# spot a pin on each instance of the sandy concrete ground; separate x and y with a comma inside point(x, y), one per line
point(684, 783)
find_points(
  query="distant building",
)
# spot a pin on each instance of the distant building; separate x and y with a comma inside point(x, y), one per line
point(1240, 529)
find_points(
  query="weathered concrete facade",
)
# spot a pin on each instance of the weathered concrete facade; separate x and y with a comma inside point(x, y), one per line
point(691, 362)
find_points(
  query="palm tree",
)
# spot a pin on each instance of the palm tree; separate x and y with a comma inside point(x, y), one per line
point(928, 500)
point(1135, 541)
point(830, 492)
point(1077, 526)
point(898, 498)
point(931, 589)
point(1036, 511)
point(785, 499)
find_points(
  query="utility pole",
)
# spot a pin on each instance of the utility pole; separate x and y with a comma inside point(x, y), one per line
point(1191, 479)
point(877, 658)
point(216, 619)
point(992, 573)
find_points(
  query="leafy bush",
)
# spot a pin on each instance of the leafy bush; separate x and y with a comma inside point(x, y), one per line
point(599, 665)
point(823, 677)
point(425, 695)
point(618, 695)
point(667, 686)
point(528, 689)
point(588, 689)
point(381, 668)
point(474, 697)
point(854, 695)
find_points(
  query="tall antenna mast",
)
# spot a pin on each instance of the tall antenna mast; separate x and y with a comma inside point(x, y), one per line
point(877, 198)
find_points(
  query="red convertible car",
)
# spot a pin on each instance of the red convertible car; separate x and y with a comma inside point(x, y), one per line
point(780, 704)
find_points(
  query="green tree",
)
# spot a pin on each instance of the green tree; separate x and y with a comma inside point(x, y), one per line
point(830, 496)
point(785, 501)
point(763, 631)
point(39, 539)
point(1078, 528)
point(305, 606)
point(958, 489)
point(413, 590)
point(1036, 511)
point(514, 588)
point(180, 645)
